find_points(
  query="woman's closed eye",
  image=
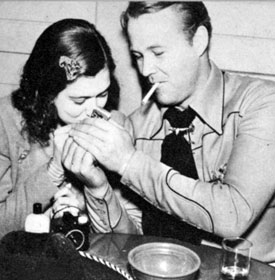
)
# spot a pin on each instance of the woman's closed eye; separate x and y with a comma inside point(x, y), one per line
point(79, 101)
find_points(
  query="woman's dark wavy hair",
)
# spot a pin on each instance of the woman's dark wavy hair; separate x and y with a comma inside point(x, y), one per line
point(193, 14)
point(42, 78)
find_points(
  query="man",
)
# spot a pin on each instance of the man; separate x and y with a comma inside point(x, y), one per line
point(229, 190)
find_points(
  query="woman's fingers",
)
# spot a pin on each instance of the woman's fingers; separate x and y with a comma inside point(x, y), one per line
point(68, 153)
point(63, 191)
point(66, 147)
point(63, 204)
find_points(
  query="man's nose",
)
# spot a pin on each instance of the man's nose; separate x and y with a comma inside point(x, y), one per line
point(148, 67)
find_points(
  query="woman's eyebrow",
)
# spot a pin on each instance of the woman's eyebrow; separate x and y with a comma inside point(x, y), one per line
point(88, 96)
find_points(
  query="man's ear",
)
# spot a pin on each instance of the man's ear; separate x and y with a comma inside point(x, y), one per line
point(201, 40)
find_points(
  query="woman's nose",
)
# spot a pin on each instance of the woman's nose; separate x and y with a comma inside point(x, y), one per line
point(90, 106)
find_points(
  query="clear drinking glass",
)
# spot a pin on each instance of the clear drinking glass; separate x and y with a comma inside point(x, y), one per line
point(236, 258)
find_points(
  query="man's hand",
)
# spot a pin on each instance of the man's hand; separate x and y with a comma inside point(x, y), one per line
point(110, 144)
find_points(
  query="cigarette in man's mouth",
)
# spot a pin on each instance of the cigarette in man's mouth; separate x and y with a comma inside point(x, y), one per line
point(149, 94)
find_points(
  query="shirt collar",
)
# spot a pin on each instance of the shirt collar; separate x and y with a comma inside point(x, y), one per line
point(208, 103)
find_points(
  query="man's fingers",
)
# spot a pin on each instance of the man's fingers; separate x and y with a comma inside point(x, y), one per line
point(88, 130)
point(92, 147)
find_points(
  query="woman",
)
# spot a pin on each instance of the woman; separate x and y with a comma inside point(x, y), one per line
point(69, 73)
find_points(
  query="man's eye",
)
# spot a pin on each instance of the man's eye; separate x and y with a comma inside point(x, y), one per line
point(136, 56)
point(158, 53)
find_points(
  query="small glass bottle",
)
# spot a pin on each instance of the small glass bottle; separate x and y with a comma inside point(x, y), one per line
point(37, 222)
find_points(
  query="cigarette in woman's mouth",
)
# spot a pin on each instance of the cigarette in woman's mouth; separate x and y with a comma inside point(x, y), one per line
point(149, 94)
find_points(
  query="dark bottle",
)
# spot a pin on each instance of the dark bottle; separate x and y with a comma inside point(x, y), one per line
point(76, 228)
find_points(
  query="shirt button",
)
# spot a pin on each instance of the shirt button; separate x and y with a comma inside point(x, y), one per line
point(142, 194)
point(23, 155)
point(100, 201)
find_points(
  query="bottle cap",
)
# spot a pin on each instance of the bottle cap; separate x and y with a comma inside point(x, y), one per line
point(37, 208)
point(83, 219)
point(68, 218)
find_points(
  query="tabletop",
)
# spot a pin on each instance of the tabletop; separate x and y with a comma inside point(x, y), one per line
point(113, 249)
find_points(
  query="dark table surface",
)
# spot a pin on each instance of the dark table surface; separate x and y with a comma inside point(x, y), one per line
point(112, 250)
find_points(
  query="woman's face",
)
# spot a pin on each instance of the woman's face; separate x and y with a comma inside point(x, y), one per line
point(78, 99)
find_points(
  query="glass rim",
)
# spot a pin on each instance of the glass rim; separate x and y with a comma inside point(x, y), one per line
point(246, 244)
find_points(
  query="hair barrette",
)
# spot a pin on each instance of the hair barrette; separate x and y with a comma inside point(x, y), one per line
point(71, 66)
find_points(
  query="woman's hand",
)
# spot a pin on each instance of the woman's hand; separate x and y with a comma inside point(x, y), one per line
point(69, 199)
point(83, 165)
point(59, 136)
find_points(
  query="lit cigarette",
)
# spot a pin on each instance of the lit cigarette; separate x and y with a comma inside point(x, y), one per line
point(149, 94)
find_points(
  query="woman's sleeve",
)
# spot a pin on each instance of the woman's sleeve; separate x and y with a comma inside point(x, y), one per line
point(115, 212)
point(17, 195)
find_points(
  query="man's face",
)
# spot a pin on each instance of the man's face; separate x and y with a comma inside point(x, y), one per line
point(164, 55)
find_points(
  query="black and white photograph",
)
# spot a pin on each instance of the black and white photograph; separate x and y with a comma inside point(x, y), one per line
point(137, 140)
